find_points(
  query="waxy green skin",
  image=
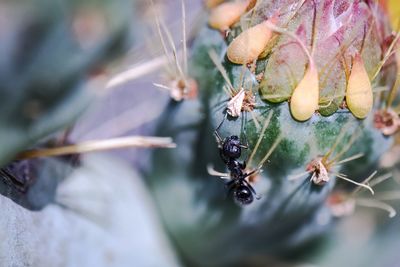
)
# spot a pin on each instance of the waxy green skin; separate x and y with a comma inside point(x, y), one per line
point(198, 215)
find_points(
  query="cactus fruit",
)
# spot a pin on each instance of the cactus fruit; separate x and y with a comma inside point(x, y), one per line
point(313, 81)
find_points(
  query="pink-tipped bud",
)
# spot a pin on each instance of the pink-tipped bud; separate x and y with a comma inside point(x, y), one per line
point(305, 97)
point(250, 44)
point(359, 97)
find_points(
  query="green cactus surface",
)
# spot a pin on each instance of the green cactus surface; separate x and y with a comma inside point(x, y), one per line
point(199, 215)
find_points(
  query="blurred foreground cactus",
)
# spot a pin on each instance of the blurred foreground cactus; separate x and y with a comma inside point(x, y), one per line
point(49, 52)
point(308, 86)
point(300, 81)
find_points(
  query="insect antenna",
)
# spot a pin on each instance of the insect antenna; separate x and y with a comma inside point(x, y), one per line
point(216, 132)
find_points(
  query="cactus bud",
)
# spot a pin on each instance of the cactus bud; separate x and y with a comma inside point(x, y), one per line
point(359, 96)
point(304, 101)
point(225, 15)
point(249, 45)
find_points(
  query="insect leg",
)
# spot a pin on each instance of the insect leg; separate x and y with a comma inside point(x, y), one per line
point(216, 133)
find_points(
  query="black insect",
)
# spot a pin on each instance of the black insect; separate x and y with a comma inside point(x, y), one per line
point(230, 150)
